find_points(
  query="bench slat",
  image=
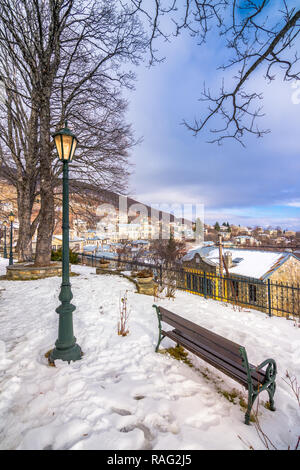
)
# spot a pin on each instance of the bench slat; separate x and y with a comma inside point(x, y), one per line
point(219, 341)
point(258, 376)
point(227, 369)
point(212, 345)
point(211, 359)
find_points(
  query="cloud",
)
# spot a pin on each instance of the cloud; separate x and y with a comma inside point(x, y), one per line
point(173, 166)
point(293, 204)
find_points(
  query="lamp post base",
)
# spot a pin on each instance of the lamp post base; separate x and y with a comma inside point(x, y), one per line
point(73, 353)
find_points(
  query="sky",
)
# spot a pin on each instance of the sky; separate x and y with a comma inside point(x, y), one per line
point(256, 185)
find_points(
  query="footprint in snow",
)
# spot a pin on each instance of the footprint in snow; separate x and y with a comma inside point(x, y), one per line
point(147, 434)
point(203, 422)
point(121, 412)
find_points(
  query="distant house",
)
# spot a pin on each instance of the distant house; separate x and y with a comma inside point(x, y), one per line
point(246, 240)
point(75, 243)
point(249, 271)
point(90, 249)
point(138, 244)
point(257, 264)
point(290, 233)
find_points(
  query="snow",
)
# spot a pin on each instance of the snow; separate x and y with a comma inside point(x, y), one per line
point(122, 395)
point(254, 263)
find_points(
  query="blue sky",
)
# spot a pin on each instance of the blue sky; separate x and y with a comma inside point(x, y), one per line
point(256, 185)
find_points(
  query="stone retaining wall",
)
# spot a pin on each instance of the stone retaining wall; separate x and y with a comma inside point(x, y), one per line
point(26, 272)
point(146, 287)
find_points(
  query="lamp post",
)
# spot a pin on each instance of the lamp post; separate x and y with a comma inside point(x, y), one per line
point(66, 348)
point(4, 251)
point(11, 218)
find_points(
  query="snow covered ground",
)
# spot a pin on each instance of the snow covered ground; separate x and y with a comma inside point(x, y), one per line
point(122, 395)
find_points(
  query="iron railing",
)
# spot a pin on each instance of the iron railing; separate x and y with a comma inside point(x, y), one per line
point(274, 298)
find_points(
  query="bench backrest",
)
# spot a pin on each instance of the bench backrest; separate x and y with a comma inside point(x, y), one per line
point(209, 339)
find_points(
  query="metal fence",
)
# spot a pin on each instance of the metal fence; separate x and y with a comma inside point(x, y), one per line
point(274, 298)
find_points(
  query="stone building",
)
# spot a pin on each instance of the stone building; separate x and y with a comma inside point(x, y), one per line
point(267, 280)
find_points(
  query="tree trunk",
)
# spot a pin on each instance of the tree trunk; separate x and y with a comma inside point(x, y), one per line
point(24, 245)
point(46, 222)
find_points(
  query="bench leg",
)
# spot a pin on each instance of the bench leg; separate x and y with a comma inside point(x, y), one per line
point(251, 399)
point(271, 391)
point(159, 341)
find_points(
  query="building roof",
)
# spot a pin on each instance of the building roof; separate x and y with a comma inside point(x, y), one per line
point(74, 239)
point(202, 250)
point(90, 248)
point(246, 237)
point(106, 254)
point(257, 264)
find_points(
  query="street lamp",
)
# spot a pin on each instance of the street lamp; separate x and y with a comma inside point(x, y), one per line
point(66, 348)
point(5, 252)
point(11, 218)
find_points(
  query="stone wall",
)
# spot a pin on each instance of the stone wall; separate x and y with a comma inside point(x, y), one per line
point(25, 272)
point(286, 300)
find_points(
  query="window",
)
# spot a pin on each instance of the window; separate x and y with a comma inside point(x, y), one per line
point(252, 293)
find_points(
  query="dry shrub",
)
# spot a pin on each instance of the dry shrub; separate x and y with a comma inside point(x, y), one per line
point(124, 315)
point(292, 382)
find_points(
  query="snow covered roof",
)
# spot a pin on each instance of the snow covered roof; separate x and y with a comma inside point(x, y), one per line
point(106, 254)
point(252, 263)
point(106, 247)
point(90, 248)
point(201, 250)
point(244, 237)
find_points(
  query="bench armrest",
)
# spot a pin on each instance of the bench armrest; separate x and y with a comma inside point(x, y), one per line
point(271, 370)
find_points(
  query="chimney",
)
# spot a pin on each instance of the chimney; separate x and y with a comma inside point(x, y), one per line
point(228, 259)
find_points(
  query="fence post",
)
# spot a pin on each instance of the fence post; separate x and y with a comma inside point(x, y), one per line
point(204, 284)
point(269, 298)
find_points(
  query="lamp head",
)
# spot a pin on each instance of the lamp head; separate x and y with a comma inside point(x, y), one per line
point(65, 143)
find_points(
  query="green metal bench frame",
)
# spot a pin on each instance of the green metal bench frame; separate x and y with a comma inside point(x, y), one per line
point(253, 391)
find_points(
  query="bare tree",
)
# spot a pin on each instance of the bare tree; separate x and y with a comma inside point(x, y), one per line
point(73, 57)
point(260, 34)
point(19, 151)
point(167, 252)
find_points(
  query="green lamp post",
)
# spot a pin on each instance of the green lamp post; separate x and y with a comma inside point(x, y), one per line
point(66, 347)
point(5, 251)
point(11, 218)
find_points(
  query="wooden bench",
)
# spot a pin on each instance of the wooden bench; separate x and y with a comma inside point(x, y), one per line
point(228, 357)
